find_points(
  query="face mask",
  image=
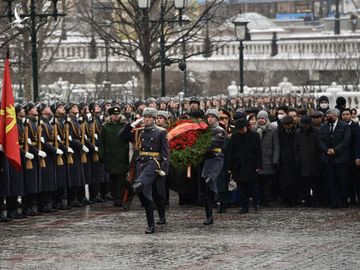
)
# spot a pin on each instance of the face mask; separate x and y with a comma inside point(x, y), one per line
point(280, 116)
point(88, 115)
point(324, 105)
point(23, 120)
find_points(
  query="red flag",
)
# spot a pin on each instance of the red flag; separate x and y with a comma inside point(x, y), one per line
point(9, 137)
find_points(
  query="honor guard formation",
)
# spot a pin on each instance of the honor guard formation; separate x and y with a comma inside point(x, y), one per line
point(260, 151)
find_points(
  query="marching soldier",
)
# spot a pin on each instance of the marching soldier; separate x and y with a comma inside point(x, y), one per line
point(62, 177)
point(213, 162)
point(152, 165)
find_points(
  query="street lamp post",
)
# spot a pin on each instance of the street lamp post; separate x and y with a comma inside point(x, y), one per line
point(179, 4)
point(33, 29)
point(242, 34)
point(182, 64)
point(337, 18)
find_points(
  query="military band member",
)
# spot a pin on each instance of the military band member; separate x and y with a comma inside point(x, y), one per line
point(213, 162)
point(151, 166)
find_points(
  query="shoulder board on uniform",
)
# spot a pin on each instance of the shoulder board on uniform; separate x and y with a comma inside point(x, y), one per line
point(161, 128)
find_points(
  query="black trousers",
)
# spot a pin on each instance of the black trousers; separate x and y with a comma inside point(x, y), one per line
point(354, 185)
point(247, 190)
point(313, 183)
point(264, 185)
point(149, 206)
point(118, 184)
point(337, 180)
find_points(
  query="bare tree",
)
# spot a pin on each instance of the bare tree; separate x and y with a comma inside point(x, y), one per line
point(134, 33)
point(19, 39)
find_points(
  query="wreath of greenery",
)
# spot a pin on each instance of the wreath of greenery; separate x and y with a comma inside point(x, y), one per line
point(191, 156)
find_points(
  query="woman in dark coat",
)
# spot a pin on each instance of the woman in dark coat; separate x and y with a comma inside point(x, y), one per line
point(245, 160)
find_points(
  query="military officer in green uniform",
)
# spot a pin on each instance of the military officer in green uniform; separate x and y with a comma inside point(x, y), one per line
point(114, 152)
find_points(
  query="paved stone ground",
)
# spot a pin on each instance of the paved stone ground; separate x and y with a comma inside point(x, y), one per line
point(104, 237)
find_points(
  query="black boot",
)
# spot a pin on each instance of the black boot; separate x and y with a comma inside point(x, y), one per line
point(161, 210)
point(150, 220)
point(14, 215)
point(244, 210)
point(222, 208)
point(3, 218)
point(209, 214)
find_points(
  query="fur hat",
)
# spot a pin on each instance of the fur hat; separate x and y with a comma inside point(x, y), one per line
point(213, 112)
point(150, 111)
point(40, 107)
point(28, 106)
point(164, 114)
point(55, 106)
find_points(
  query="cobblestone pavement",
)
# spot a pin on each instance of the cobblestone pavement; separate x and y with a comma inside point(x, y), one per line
point(104, 237)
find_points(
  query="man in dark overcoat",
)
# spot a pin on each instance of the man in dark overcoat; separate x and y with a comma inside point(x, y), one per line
point(334, 141)
point(289, 183)
point(307, 158)
point(245, 160)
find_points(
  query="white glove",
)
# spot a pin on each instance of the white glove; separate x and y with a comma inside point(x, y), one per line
point(58, 138)
point(85, 149)
point(29, 141)
point(42, 139)
point(59, 152)
point(135, 123)
point(1, 148)
point(96, 136)
point(29, 155)
point(96, 149)
point(42, 154)
point(70, 138)
point(70, 150)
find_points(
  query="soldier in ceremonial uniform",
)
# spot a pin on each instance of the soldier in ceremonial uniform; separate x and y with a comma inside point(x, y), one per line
point(17, 179)
point(97, 167)
point(152, 165)
point(76, 171)
point(32, 176)
point(62, 175)
point(213, 162)
point(85, 129)
point(47, 173)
